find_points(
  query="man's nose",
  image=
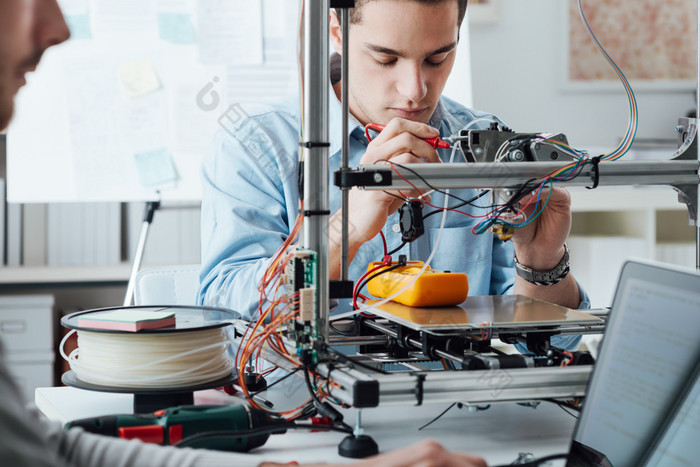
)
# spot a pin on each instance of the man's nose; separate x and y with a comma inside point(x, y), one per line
point(412, 84)
point(50, 27)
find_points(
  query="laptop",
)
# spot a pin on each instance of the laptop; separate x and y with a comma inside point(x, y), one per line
point(641, 401)
point(677, 441)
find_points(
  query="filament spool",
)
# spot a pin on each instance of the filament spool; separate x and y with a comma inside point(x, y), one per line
point(151, 363)
point(151, 360)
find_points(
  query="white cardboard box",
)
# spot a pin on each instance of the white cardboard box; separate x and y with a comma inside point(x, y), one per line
point(27, 333)
point(31, 371)
point(27, 323)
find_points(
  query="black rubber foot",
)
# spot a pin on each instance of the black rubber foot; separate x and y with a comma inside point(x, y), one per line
point(358, 447)
point(254, 382)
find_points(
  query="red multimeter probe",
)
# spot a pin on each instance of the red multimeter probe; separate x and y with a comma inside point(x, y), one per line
point(434, 142)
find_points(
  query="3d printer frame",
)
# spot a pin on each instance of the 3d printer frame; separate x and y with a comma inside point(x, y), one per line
point(479, 373)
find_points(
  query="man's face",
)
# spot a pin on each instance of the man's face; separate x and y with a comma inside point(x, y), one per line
point(27, 29)
point(401, 54)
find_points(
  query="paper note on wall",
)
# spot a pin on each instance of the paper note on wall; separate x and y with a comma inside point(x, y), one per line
point(99, 151)
point(155, 168)
point(148, 122)
point(276, 79)
point(79, 26)
point(76, 14)
point(176, 27)
point(194, 126)
point(230, 32)
point(138, 78)
point(275, 17)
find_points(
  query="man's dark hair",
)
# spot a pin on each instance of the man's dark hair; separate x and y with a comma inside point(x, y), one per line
point(355, 13)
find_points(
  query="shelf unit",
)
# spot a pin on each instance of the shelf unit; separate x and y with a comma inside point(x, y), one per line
point(27, 330)
point(45, 276)
point(612, 224)
point(67, 289)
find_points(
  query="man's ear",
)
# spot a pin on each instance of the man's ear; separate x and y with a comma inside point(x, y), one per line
point(336, 32)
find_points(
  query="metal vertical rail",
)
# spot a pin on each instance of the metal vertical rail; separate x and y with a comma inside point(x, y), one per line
point(344, 248)
point(315, 147)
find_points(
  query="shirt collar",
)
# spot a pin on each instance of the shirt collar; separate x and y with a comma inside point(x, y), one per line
point(437, 118)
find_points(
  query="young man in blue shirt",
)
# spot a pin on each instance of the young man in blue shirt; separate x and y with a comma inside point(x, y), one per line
point(401, 54)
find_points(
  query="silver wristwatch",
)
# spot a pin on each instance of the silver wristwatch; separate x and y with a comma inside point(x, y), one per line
point(550, 277)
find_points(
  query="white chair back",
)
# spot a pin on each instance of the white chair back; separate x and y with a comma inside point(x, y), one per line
point(167, 285)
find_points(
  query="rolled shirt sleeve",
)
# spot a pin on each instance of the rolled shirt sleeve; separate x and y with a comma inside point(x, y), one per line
point(249, 201)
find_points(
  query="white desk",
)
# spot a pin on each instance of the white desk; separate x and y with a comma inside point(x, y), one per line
point(498, 434)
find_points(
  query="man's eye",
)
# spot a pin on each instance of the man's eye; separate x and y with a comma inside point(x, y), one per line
point(437, 60)
point(385, 63)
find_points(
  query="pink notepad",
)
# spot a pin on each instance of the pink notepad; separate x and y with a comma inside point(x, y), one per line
point(128, 320)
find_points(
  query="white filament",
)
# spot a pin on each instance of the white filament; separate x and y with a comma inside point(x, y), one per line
point(153, 360)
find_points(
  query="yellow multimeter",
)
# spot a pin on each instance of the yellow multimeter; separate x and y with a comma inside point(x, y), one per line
point(431, 288)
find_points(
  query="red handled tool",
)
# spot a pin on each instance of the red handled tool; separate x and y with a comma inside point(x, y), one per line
point(434, 142)
point(226, 427)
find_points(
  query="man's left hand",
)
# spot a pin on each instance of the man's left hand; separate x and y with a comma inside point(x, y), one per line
point(540, 245)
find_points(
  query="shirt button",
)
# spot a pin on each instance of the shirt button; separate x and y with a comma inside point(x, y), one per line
point(396, 228)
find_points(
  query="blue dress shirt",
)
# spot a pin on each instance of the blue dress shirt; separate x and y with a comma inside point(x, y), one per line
point(250, 200)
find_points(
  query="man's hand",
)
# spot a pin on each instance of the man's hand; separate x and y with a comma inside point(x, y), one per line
point(400, 142)
point(540, 245)
point(424, 454)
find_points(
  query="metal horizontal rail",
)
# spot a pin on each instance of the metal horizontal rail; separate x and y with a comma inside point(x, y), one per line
point(335, 339)
point(514, 174)
point(479, 386)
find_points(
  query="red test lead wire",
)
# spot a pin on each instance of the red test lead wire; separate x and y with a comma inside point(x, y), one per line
point(434, 142)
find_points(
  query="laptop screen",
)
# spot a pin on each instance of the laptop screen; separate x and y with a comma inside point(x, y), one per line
point(648, 353)
point(678, 443)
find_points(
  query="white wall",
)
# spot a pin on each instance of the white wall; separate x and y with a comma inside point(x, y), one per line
point(459, 84)
point(518, 66)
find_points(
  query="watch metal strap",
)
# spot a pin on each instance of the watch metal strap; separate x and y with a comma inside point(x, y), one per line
point(551, 277)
